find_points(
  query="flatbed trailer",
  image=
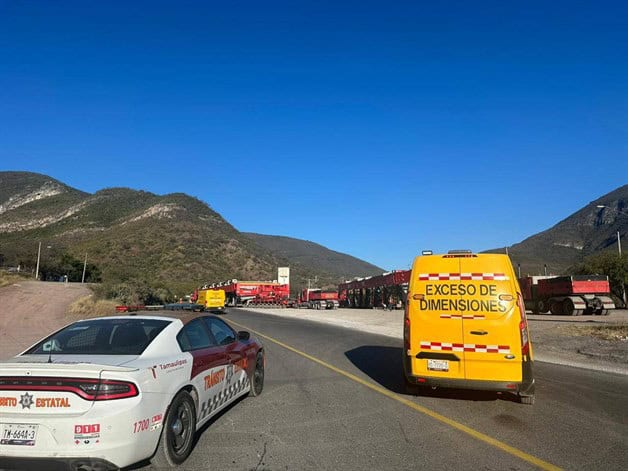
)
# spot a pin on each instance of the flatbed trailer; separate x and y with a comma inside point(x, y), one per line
point(571, 295)
point(253, 293)
point(375, 291)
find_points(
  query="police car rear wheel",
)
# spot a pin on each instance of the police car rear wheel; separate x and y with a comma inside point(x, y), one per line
point(257, 378)
point(177, 436)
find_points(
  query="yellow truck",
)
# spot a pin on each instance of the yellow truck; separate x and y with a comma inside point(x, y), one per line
point(212, 299)
point(465, 325)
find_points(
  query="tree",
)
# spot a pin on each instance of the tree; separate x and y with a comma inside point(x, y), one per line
point(609, 264)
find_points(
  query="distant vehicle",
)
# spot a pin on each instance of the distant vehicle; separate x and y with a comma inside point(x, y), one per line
point(108, 392)
point(318, 299)
point(375, 291)
point(252, 293)
point(567, 295)
point(465, 325)
point(212, 299)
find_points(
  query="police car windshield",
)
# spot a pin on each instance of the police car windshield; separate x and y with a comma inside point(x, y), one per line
point(102, 337)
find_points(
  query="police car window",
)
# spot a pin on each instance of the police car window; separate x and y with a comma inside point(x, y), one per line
point(195, 336)
point(223, 334)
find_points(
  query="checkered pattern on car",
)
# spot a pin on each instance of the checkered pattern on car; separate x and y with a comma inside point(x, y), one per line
point(223, 397)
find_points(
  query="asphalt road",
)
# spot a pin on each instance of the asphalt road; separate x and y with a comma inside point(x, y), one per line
point(312, 417)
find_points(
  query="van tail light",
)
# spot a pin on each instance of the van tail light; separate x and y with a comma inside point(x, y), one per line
point(523, 326)
point(406, 329)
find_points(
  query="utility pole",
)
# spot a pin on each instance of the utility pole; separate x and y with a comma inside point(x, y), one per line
point(623, 278)
point(84, 267)
point(38, 255)
point(307, 295)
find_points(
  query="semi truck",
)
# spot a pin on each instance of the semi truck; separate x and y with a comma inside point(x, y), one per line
point(318, 299)
point(567, 295)
point(385, 290)
point(253, 293)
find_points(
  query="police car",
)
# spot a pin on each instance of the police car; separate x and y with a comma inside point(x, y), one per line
point(108, 392)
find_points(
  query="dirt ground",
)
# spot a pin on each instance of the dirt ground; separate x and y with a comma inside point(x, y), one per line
point(577, 337)
point(29, 310)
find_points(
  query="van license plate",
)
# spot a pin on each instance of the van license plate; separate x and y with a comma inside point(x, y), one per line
point(438, 365)
point(18, 434)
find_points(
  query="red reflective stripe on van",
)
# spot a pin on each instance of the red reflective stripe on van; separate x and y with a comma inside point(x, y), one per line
point(463, 277)
point(467, 347)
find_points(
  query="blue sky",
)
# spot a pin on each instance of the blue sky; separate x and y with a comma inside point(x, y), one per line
point(377, 129)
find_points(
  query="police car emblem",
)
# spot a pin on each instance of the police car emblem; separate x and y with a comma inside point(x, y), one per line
point(26, 400)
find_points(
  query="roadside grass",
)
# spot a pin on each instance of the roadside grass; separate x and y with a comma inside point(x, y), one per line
point(10, 278)
point(86, 307)
point(618, 333)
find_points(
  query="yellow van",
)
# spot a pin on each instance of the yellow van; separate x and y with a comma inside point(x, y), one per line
point(212, 299)
point(465, 325)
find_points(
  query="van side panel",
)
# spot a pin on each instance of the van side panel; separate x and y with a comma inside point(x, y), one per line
point(436, 338)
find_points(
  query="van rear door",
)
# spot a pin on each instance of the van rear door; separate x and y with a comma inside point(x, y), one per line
point(490, 319)
point(436, 332)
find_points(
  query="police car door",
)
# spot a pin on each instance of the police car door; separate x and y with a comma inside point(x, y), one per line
point(236, 377)
point(209, 366)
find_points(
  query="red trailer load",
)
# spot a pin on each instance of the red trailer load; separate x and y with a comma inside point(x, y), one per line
point(247, 293)
point(587, 284)
point(387, 289)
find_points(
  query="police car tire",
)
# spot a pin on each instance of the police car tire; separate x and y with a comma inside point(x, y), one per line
point(166, 455)
point(257, 379)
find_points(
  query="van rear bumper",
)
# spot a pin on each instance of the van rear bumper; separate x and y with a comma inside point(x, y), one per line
point(523, 388)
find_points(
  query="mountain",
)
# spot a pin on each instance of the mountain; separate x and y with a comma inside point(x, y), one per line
point(587, 231)
point(312, 258)
point(172, 240)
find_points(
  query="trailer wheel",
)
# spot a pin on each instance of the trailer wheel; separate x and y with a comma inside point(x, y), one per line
point(543, 306)
point(569, 309)
point(556, 308)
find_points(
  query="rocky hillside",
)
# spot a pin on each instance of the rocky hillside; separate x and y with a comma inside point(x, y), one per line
point(171, 240)
point(590, 230)
point(311, 258)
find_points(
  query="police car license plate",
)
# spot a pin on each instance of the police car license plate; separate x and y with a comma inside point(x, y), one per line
point(18, 434)
point(438, 365)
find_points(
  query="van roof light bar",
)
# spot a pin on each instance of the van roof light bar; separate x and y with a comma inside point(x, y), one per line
point(457, 252)
point(426, 252)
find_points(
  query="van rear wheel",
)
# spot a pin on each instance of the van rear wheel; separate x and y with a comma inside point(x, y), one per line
point(528, 400)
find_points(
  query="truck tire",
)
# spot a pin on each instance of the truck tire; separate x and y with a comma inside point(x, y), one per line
point(556, 308)
point(569, 309)
point(543, 306)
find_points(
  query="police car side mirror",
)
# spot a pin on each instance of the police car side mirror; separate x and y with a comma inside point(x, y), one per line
point(243, 335)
